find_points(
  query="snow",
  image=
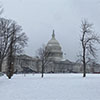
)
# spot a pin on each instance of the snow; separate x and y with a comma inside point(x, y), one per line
point(51, 87)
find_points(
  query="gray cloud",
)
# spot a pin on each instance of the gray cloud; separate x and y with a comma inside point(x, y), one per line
point(40, 17)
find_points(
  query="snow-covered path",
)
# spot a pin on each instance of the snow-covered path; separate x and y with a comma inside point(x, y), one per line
point(51, 87)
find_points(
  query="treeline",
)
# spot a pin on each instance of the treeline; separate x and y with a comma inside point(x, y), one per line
point(12, 42)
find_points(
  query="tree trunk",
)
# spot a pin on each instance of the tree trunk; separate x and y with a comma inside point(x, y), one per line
point(84, 63)
point(42, 75)
point(10, 59)
point(10, 69)
point(0, 66)
point(84, 69)
point(42, 71)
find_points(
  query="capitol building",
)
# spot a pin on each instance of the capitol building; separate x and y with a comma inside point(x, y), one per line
point(55, 49)
point(57, 64)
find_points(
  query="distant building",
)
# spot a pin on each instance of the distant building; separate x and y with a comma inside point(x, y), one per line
point(53, 45)
point(57, 64)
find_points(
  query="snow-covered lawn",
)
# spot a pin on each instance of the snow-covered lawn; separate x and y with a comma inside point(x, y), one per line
point(51, 87)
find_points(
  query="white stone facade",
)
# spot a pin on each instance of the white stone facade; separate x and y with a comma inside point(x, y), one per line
point(55, 49)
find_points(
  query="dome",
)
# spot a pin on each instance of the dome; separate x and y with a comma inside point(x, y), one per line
point(54, 44)
point(55, 49)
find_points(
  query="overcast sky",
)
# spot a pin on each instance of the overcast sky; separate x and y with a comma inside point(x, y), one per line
point(39, 17)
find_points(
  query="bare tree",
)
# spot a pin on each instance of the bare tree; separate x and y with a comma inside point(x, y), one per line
point(88, 41)
point(12, 39)
point(43, 54)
